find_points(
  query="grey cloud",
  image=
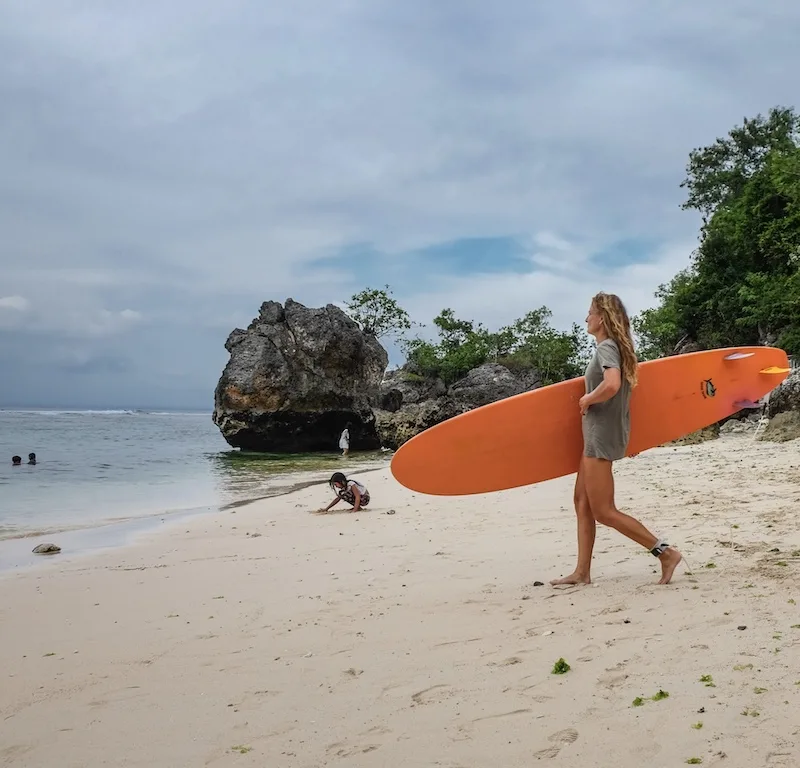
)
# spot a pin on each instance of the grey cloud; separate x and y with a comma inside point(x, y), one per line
point(96, 364)
point(187, 160)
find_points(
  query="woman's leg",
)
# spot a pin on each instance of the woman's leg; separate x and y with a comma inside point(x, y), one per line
point(586, 533)
point(599, 484)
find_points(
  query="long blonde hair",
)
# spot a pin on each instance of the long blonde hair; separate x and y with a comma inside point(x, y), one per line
point(618, 326)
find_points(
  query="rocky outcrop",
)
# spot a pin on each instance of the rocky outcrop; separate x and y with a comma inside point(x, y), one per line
point(783, 410)
point(736, 426)
point(711, 432)
point(786, 396)
point(296, 377)
point(411, 403)
point(401, 425)
point(491, 382)
point(404, 386)
point(782, 427)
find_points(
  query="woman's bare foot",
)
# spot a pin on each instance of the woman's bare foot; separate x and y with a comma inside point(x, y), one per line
point(669, 562)
point(573, 578)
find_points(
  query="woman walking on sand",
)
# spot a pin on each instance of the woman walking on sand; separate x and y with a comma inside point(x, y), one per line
point(610, 377)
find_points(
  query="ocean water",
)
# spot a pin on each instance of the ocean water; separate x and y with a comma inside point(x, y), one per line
point(100, 467)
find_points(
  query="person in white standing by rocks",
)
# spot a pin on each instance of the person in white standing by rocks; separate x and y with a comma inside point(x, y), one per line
point(344, 441)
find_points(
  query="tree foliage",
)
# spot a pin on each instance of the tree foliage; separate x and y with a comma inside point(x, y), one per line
point(718, 173)
point(528, 343)
point(556, 355)
point(378, 313)
point(743, 283)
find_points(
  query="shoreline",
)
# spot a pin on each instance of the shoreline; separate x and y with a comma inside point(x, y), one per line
point(16, 554)
point(267, 635)
point(107, 535)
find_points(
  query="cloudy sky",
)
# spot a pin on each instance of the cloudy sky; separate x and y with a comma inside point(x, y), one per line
point(165, 167)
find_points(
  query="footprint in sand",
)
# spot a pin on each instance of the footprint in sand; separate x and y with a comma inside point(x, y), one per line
point(589, 653)
point(433, 694)
point(353, 672)
point(466, 730)
point(343, 750)
point(561, 739)
point(612, 679)
point(15, 750)
point(614, 676)
point(567, 736)
point(501, 715)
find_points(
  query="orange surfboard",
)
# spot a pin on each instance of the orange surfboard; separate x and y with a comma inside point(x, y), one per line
point(536, 436)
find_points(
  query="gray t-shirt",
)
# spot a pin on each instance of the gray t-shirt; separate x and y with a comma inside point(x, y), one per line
point(606, 426)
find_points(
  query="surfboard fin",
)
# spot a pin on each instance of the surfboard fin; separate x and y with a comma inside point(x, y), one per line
point(775, 369)
point(738, 355)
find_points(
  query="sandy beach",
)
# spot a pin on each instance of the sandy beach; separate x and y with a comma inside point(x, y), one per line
point(269, 636)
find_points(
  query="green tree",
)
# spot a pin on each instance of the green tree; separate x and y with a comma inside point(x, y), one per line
point(771, 303)
point(501, 343)
point(717, 173)
point(742, 284)
point(453, 332)
point(378, 313)
point(662, 329)
point(528, 343)
point(461, 347)
point(554, 354)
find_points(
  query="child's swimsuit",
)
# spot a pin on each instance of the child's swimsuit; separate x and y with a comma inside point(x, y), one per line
point(347, 493)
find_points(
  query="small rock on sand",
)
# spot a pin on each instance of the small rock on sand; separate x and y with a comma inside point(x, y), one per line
point(46, 549)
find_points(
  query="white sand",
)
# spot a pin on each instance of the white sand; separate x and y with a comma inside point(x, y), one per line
point(417, 639)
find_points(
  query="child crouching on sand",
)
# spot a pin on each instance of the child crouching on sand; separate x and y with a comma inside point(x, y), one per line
point(351, 491)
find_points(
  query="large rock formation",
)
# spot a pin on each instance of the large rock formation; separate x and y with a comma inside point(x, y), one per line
point(411, 403)
point(296, 377)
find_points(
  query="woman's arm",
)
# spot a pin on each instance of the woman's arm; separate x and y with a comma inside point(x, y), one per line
point(608, 387)
point(332, 504)
point(612, 381)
